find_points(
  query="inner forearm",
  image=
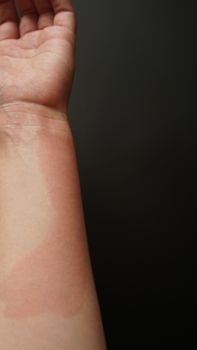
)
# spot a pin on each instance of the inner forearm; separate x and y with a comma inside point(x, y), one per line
point(45, 274)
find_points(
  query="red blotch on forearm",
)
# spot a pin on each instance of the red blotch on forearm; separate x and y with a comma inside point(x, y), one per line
point(52, 278)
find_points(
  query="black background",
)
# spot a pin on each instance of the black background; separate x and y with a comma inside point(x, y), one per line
point(133, 116)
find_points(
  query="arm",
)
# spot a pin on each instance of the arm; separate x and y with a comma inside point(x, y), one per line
point(47, 294)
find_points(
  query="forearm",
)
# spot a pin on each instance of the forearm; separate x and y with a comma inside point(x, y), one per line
point(47, 296)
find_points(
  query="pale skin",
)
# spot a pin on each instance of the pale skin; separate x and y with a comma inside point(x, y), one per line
point(47, 294)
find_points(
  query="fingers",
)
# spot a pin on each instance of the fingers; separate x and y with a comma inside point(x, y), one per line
point(34, 14)
point(8, 20)
point(45, 12)
point(29, 17)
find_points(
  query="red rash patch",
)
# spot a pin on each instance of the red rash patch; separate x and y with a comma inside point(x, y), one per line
point(53, 277)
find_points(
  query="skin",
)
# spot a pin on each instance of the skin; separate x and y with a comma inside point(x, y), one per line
point(47, 293)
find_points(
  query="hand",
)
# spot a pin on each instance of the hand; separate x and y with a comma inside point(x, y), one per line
point(36, 52)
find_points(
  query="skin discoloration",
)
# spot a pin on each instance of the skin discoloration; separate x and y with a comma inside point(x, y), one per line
point(49, 280)
point(52, 278)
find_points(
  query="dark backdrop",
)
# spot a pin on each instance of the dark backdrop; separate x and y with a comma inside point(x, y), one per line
point(133, 118)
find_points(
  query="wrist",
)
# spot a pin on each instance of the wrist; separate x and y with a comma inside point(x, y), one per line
point(17, 110)
point(30, 118)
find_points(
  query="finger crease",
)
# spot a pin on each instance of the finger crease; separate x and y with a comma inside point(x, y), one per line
point(29, 12)
point(45, 10)
point(8, 20)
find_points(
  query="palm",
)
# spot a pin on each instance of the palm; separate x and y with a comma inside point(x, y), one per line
point(37, 65)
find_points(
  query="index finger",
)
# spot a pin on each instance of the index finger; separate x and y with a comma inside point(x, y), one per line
point(61, 5)
point(64, 14)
